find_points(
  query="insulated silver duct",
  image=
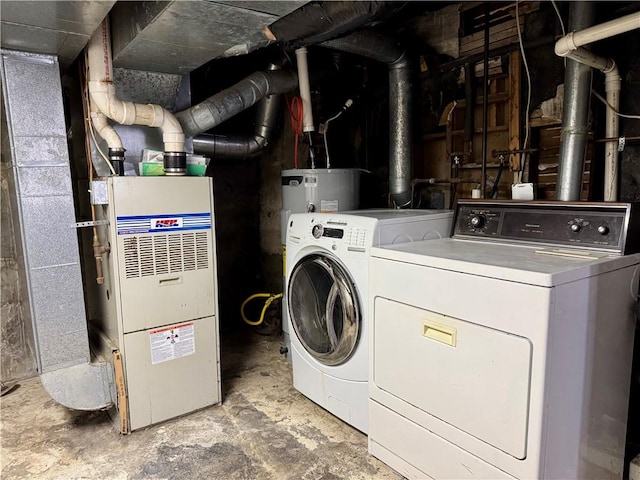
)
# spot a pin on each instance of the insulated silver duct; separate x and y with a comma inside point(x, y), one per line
point(242, 146)
point(575, 116)
point(233, 100)
point(48, 236)
point(376, 46)
point(226, 147)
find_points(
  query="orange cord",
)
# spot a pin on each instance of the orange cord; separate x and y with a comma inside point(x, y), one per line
point(296, 114)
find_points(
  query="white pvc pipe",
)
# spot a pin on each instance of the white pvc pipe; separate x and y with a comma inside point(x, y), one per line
point(305, 89)
point(589, 35)
point(582, 55)
point(613, 85)
point(102, 127)
point(103, 93)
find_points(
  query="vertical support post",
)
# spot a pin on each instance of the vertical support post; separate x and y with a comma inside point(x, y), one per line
point(514, 110)
point(485, 101)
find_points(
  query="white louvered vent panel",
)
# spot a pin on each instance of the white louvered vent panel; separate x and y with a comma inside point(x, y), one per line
point(189, 251)
point(150, 255)
point(202, 252)
point(131, 263)
point(175, 253)
point(147, 264)
point(161, 250)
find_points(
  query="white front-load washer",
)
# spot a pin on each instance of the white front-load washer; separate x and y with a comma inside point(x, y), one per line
point(505, 351)
point(327, 276)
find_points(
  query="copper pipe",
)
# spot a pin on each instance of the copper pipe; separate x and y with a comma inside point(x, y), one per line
point(98, 249)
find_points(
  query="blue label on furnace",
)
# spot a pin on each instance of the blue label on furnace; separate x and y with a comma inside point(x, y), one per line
point(136, 224)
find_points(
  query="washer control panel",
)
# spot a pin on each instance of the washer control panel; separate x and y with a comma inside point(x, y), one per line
point(611, 227)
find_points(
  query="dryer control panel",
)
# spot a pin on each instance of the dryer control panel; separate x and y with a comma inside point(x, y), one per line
point(609, 227)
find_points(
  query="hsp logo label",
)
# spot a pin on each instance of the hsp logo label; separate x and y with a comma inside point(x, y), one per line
point(165, 223)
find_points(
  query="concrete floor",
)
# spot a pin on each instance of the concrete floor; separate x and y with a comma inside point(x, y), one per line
point(264, 429)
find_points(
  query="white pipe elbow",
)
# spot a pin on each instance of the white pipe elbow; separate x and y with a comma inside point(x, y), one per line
point(172, 134)
point(575, 40)
point(565, 45)
point(106, 131)
point(103, 95)
point(612, 79)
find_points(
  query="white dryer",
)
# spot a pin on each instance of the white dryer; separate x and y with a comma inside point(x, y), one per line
point(505, 351)
point(327, 275)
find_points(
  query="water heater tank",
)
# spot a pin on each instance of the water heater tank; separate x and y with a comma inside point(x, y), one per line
point(319, 190)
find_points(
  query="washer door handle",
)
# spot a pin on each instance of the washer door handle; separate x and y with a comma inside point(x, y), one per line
point(331, 303)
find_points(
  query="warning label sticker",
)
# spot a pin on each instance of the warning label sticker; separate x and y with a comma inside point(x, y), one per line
point(170, 343)
point(328, 206)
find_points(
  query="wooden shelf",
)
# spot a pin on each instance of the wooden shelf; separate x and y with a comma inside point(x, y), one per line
point(493, 98)
point(457, 133)
point(479, 165)
point(497, 128)
point(434, 136)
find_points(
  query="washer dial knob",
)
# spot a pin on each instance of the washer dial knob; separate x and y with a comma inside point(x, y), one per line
point(576, 227)
point(316, 231)
point(477, 221)
point(603, 229)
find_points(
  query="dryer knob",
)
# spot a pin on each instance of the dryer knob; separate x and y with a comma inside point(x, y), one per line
point(316, 231)
point(477, 221)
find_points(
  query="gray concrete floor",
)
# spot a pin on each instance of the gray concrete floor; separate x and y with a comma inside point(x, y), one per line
point(264, 429)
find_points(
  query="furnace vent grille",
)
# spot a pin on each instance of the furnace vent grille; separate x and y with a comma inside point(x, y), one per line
point(148, 255)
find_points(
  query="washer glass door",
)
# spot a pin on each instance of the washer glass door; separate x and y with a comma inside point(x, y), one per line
point(324, 309)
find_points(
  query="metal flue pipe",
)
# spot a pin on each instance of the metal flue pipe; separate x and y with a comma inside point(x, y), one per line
point(570, 46)
point(573, 136)
point(237, 146)
point(376, 46)
point(233, 100)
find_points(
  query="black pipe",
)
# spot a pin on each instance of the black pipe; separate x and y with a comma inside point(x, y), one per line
point(116, 158)
point(469, 106)
point(175, 163)
point(227, 147)
point(485, 101)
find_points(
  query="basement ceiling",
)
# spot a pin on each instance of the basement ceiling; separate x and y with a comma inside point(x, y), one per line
point(171, 36)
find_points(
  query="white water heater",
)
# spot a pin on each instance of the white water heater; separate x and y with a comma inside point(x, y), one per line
point(159, 300)
point(323, 190)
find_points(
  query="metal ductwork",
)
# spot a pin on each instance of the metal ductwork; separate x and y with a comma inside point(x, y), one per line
point(48, 238)
point(317, 22)
point(233, 100)
point(575, 117)
point(226, 147)
point(374, 45)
